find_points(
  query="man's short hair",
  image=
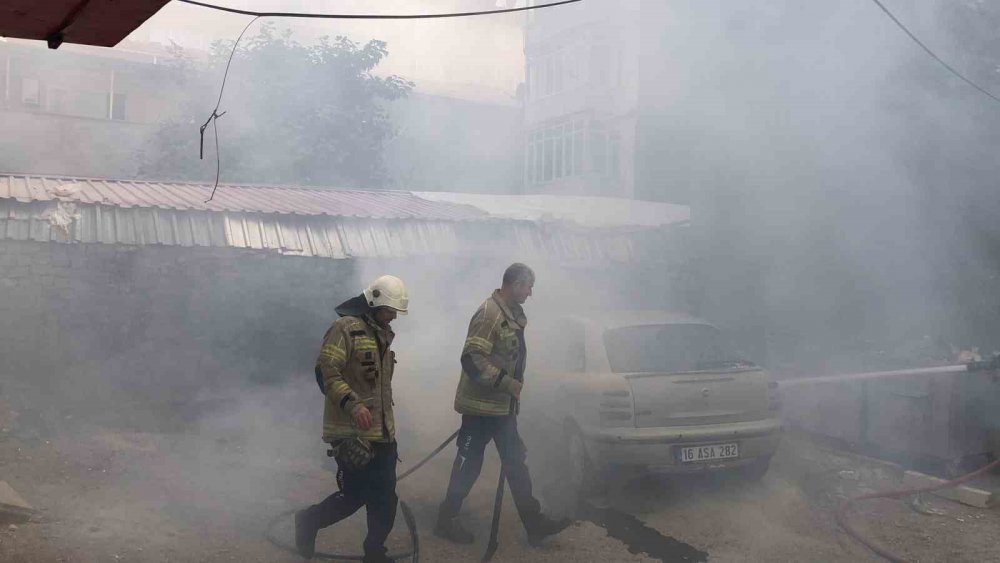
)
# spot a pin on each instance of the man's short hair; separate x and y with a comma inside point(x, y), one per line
point(517, 272)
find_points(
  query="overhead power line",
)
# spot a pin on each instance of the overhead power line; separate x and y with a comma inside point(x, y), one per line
point(373, 16)
point(916, 40)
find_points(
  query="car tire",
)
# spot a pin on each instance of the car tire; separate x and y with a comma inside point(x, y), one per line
point(756, 470)
point(582, 478)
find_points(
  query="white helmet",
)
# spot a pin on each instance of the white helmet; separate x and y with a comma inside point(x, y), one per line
point(387, 291)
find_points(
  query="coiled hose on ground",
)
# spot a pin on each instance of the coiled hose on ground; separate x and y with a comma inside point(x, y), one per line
point(411, 523)
point(841, 514)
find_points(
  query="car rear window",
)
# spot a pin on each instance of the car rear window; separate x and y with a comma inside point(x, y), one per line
point(666, 348)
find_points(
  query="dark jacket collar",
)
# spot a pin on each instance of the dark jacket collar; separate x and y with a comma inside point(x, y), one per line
point(354, 307)
point(358, 307)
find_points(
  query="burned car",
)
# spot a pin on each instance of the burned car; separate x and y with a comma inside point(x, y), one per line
point(651, 392)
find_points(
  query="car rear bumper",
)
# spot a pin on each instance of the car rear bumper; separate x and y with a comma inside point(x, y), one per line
point(655, 449)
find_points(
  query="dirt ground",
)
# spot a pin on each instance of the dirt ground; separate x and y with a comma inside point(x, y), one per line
point(108, 493)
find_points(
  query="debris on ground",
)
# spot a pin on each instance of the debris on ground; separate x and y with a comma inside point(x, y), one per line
point(12, 506)
point(920, 506)
point(964, 494)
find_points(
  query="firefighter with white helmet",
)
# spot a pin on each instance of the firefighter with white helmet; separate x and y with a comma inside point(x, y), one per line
point(354, 371)
point(387, 291)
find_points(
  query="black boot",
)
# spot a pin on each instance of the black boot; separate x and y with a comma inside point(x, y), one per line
point(452, 530)
point(543, 527)
point(305, 534)
point(377, 556)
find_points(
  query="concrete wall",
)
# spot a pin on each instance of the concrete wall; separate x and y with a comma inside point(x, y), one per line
point(943, 417)
point(193, 316)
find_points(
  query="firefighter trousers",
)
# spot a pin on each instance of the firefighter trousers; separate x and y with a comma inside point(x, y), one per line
point(476, 432)
point(373, 487)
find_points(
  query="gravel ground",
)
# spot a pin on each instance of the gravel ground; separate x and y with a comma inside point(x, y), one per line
point(108, 492)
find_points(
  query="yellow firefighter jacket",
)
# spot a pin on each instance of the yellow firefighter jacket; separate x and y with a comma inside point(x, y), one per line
point(356, 366)
point(492, 359)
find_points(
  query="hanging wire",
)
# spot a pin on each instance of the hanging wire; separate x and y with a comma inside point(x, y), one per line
point(373, 16)
point(214, 118)
point(947, 66)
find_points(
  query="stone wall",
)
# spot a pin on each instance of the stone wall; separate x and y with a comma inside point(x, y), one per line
point(190, 315)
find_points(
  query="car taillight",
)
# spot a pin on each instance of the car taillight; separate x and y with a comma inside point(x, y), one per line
point(773, 396)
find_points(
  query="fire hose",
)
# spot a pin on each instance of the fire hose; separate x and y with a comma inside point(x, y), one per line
point(992, 364)
point(841, 514)
point(411, 523)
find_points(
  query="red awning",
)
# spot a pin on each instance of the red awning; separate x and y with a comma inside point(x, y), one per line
point(89, 22)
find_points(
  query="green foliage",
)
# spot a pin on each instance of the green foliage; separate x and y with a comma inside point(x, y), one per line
point(296, 114)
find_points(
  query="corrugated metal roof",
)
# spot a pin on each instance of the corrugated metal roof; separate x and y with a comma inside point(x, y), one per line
point(303, 235)
point(245, 199)
point(585, 211)
point(301, 222)
point(296, 235)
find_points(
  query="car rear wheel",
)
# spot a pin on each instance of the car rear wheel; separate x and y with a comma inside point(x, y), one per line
point(582, 478)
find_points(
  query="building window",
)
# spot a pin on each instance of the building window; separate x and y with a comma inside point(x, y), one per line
point(555, 72)
point(605, 152)
point(117, 110)
point(5, 82)
point(572, 148)
point(555, 152)
point(31, 92)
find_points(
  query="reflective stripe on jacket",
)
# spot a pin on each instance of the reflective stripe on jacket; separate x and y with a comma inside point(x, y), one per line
point(493, 359)
point(356, 366)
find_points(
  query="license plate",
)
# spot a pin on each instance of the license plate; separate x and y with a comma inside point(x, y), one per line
point(689, 454)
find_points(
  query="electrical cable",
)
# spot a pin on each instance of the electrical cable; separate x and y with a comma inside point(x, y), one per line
point(213, 119)
point(841, 514)
point(947, 66)
point(411, 523)
point(373, 16)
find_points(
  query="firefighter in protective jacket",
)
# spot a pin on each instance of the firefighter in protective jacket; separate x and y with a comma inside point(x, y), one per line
point(493, 361)
point(354, 370)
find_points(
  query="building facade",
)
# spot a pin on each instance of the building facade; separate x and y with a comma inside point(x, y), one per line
point(86, 111)
point(580, 99)
point(79, 109)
